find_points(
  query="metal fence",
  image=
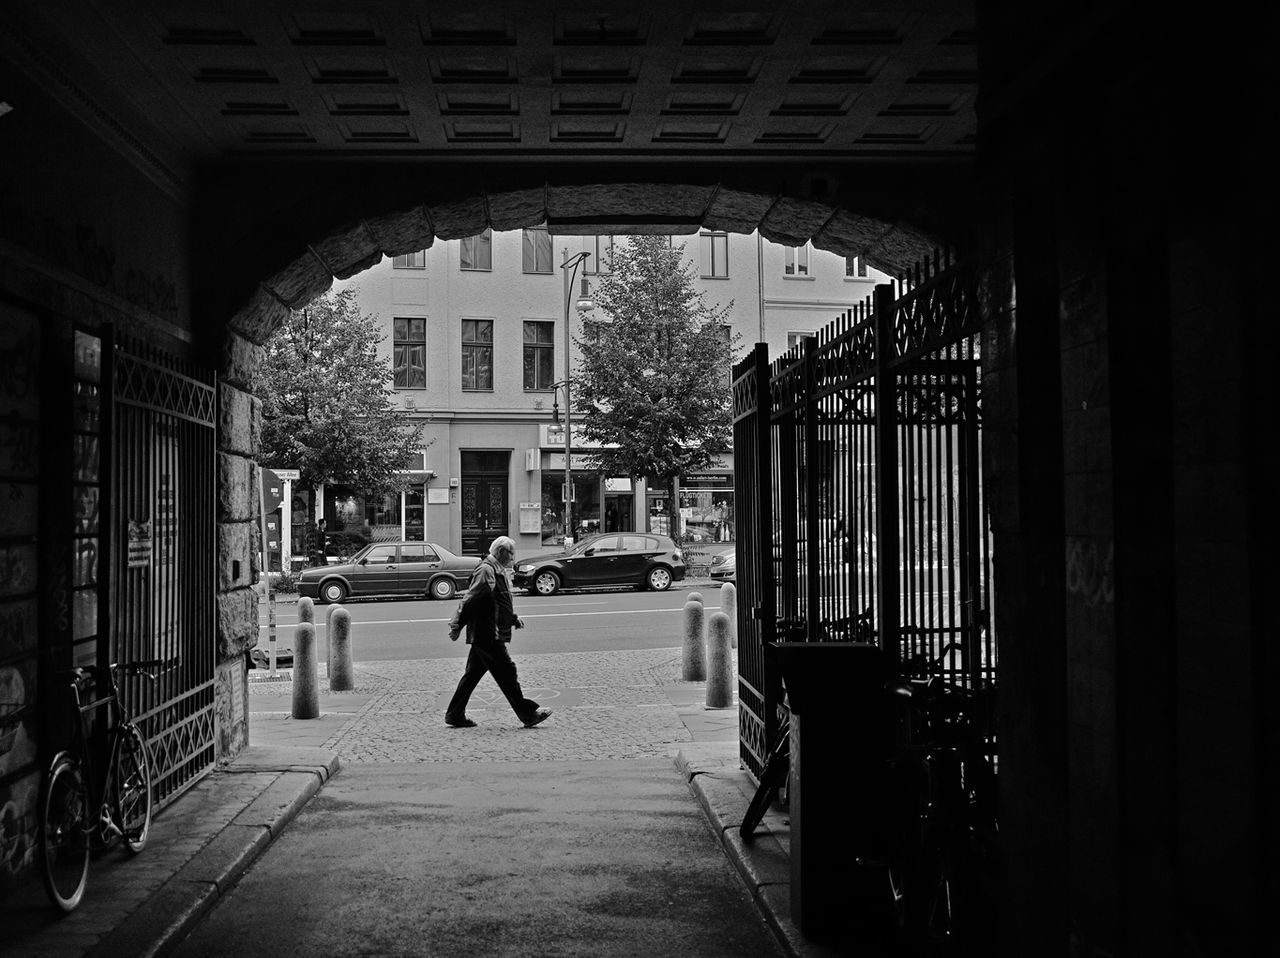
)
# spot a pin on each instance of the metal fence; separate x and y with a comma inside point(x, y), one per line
point(859, 487)
point(163, 574)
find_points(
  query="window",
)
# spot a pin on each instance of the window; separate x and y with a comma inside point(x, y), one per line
point(418, 553)
point(796, 260)
point(539, 354)
point(601, 249)
point(854, 266)
point(409, 353)
point(536, 250)
point(638, 543)
point(477, 354)
point(605, 544)
point(713, 253)
point(794, 339)
point(476, 252)
point(381, 555)
point(416, 260)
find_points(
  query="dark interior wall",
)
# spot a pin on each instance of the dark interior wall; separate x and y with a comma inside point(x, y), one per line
point(93, 224)
point(1127, 408)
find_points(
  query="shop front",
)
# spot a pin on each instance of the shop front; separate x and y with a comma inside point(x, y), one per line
point(599, 503)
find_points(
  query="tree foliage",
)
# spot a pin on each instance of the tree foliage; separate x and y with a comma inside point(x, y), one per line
point(326, 405)
point(653, 381)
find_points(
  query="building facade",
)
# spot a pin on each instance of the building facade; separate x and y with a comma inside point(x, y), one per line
point(474, 331)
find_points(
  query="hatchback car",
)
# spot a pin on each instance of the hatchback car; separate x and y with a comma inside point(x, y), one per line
point(390, 568)
point(641, 559)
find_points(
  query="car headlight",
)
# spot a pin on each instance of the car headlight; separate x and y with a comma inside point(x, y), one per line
point(524, 568)
point(679, 557)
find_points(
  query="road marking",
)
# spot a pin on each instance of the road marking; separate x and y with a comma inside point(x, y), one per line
point(523, 615)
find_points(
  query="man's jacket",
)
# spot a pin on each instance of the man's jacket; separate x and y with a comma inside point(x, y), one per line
point(486, 609)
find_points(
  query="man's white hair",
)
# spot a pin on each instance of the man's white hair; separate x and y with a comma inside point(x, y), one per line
point(502, 543)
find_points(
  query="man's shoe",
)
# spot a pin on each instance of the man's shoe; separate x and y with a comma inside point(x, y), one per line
point(539, 716)
point(460, 723)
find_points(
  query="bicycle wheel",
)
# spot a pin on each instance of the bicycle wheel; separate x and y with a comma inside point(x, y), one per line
point(131, 782)
point(64, 833)
point(774, 773)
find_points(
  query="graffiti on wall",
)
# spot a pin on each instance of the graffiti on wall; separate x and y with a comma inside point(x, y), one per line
point(79, 248)
point(1090, 571)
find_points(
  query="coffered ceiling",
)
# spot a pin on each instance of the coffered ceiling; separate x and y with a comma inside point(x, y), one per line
point(661, 79)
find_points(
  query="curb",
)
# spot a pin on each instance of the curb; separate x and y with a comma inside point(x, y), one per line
point(165, 919)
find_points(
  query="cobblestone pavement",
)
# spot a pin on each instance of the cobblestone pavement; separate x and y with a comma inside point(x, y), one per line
point(606, 705)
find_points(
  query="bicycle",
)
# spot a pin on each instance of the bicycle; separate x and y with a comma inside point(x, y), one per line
point(944, 837)
point(81, 812)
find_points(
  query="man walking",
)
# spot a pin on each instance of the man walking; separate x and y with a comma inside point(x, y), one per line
point(489, 615)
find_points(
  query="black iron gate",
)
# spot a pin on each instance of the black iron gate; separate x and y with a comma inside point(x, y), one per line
point(858, 477)
point(163, 575)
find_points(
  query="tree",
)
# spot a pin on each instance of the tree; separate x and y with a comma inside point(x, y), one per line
point(326, 407)
point(653, 381)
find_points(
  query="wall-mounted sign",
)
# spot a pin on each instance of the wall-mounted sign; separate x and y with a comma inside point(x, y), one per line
point(139, 544)
point(437, 496)
point(530, 517)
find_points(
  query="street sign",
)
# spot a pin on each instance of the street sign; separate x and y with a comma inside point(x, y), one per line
point(272, 491)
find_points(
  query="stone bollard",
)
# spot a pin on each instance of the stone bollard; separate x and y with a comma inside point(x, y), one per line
point(729, 606)
point(306, 686)
point(694, 659)
point(306, 610)
point(342, 676)
point(695, 597)
point(719, 662)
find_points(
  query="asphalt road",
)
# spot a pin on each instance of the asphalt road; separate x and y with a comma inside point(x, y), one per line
point(408, 629)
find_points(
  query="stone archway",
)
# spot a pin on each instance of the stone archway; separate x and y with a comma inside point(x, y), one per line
point(598, 208)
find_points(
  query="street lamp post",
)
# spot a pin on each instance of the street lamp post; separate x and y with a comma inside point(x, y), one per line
point(570, 269)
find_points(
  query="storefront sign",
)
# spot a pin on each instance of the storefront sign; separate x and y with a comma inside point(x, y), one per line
point(708, 480)
point(579, 461)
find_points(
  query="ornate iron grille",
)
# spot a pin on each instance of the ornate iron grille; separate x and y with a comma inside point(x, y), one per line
point(858, 465)
point(759, 688)
point(163, 577)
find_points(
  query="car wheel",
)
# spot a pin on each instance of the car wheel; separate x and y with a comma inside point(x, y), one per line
point(658, 579)
point(333, 591)
point(443, 588)
point(546, 582)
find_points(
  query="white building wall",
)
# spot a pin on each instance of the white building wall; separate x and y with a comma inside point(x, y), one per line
point(767, 305)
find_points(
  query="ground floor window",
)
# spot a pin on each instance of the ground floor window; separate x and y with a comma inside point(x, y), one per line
point(706, 507)
point(586, 506)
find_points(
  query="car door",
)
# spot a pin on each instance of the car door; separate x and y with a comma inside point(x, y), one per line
point(418, 563)
point(377, 571)
point(637, 552)
point(592, 565)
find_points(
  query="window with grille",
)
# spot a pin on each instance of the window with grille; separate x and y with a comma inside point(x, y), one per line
point(477, 354)
point(476, 252)
point(539, 354)
point(409, 353)
point(416, 260)
point(713, 255)
point(536, 250)
point(796, 260)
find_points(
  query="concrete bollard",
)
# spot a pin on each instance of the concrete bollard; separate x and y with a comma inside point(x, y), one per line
point(695, 597)
point(694, 659)
point(306, 610)
point(719, 662)
point(328, 634)
point(306, 685)
point(729, 606)
point(342, 676)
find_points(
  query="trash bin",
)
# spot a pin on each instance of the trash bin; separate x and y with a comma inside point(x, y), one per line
point(840, 735)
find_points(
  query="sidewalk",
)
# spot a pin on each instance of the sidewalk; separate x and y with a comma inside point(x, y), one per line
point(202, 843)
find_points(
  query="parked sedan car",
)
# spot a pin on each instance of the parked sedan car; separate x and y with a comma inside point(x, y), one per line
point(724, 566)
point(641, 559)
point(390, 568)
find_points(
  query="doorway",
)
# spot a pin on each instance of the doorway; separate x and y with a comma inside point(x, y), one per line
point(485, 516)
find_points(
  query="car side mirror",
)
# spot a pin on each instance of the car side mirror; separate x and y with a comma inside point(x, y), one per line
point(364, 561)
point(589, 552)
